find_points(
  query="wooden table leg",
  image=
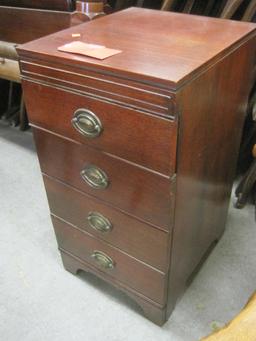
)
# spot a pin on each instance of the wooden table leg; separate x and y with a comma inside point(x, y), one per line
point(3, 96)
point(140, 3)
point(11, 107)
point(167, 5)
point(209, 7)
point(230, 8)
point(250, 11)
point(188, 6)
point(120, 4)
point(245, 186)
point(23, 115)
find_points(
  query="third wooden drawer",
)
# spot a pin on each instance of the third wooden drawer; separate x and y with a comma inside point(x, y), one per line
point(138, 239)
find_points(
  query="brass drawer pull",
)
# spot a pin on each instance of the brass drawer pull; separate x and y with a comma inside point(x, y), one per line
point(98, 222)
point(87, 123)
point(95, 177)
point(103, 260)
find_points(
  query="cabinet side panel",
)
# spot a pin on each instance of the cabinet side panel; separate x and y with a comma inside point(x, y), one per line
point(212, 111)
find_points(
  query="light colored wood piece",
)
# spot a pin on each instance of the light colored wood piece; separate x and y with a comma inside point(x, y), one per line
point(167, 5)
point(254, 151)
point(9, 70)
point(242, 327)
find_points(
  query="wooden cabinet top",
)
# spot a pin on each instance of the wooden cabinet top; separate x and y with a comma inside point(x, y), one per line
point(157, 47)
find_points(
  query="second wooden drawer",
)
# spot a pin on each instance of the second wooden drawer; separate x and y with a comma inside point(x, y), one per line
point(139, 192)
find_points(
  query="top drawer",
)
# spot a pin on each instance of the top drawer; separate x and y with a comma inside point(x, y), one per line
point(129, 134)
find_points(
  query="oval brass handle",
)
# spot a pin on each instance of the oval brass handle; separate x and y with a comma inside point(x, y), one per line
point(87, 123)
point(98, 222)
point(103, 260)
point(95, 177)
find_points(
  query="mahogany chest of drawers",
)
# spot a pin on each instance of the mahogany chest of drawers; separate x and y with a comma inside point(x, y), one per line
point(138, 151)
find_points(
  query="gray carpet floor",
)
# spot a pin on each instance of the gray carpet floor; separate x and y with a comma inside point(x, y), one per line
point(41, 301)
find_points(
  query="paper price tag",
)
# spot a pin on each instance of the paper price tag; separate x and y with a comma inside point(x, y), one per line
point(89, 50)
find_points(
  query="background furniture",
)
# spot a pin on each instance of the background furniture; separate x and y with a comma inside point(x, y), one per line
point(25, 20)
point(238, 9)
point(138, 151)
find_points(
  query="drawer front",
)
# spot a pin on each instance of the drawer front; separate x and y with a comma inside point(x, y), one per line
point(132, 135)
point(140, 240)
point(115, 263)
point(141, 193)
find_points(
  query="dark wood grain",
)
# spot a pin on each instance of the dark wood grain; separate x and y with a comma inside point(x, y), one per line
point(127, 269)
point(128, 234)
point(26, 20)
point(55, 5)
point(126, 133)
point(32, 23)
point(209, 159)
point(139, 192)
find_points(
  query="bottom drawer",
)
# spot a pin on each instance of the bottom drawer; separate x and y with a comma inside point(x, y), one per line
point(117, 264)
